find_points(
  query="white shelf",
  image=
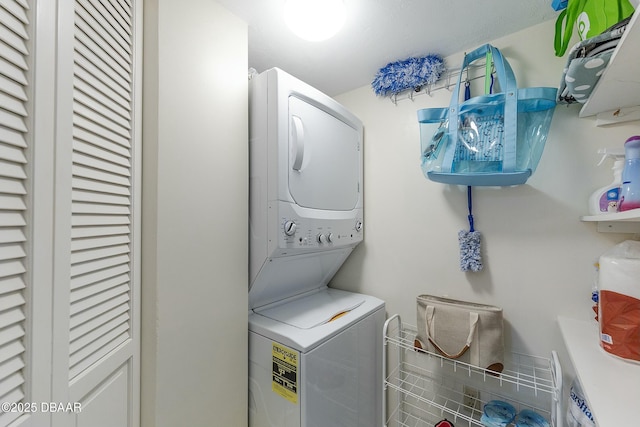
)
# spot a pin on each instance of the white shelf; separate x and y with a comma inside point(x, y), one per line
point(618, 222)
point(618, 90)
point(611, 385)
point(430, 387)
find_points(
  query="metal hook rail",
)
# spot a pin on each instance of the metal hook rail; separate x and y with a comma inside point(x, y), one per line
point(447, 81)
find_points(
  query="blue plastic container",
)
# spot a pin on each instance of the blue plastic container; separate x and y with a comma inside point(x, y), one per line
point(630, 190)
point(497, 413)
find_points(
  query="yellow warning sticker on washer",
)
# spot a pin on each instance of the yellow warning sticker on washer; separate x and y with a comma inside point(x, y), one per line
point(285, 372)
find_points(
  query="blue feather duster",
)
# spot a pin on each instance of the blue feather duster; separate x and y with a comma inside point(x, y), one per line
point(411, 73)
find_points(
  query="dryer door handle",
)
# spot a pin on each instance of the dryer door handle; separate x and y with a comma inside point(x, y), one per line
point(297, 140)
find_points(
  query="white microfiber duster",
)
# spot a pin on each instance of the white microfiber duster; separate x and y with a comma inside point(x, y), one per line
point(470, 255)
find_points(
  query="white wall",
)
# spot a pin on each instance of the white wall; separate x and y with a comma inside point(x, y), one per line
point(538, 255)
point(195, 209)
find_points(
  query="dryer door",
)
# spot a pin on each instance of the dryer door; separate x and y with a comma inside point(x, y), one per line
point(324, 158)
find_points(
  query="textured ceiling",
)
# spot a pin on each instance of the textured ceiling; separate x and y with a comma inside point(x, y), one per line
point(378, 32)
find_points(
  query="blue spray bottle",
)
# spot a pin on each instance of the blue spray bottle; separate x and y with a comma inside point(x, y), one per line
point(630, 191)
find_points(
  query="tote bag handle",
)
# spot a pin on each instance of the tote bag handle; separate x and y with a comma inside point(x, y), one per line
point(567, 17)
point(509, 87)
point(473, 325)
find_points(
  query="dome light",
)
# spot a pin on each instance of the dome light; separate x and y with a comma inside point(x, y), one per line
point(314, 20)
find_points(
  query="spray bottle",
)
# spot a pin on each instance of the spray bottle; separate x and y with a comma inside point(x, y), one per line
point(630, 189)
point(605, 199)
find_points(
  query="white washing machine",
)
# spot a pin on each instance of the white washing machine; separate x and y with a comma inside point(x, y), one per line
point(315, 353)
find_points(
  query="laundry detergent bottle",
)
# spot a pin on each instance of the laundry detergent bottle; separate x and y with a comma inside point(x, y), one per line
point(605, 199)
point(630, 190)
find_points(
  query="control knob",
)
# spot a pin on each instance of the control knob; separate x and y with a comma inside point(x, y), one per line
point(290, 228)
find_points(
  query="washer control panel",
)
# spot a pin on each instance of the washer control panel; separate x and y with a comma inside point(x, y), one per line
point(305, 233)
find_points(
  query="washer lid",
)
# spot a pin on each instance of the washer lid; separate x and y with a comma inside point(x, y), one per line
point(314, 310)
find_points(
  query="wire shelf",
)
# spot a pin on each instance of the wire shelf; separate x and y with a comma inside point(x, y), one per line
point(431, 387)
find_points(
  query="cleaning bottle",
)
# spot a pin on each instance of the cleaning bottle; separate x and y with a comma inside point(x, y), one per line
point(630, 190)
point(605, 199)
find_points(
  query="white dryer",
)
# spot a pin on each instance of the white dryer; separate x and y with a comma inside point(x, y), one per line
point(315, 353)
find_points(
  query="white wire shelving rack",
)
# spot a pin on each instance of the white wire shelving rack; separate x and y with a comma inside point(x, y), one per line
point(422, 388)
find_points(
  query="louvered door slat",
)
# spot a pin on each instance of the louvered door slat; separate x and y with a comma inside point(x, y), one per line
point(99, 298)
point(85, 316)
point(99, 176)
point(96, 288)
point(100, 116)
point(10, 284)
point(100, 187)
point(11, 333)
point(86, 31)
point(97, 350)
point(102, 230)
point(12, 187)
point(98, 253)
point(17, 8)
point(95, 65)
point(93, 294)
point(11, 268)
point(104, 111)
point(99, 209)
point(103, 132)
point(93, 139)
point(14, 251)
point(95, 322)
point(89, 79)
point(11, 382)
point(13, 40)
point(11, 301)
point(12, 137)
point(12, 88)
point(12, 121)
point(88, 244)
point(11, 170)
point(95, 197)
point(82, 220)
point(11, 202)
point(91, 162)
point(12, 104)
point(96, 26)
point(100, 152)
point(96, 277)
point(12, 219)
point(126, 4)
point(12, 23)
point(14, 56)
point(112, 28)
point(12, 367)
point(10, 153)
point(99, 264)
point(104, 328)
point(11, 235)
point(13, 65)
point(119, 15)
point(9, 351)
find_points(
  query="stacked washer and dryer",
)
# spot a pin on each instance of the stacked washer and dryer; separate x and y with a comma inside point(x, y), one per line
point(315, 353)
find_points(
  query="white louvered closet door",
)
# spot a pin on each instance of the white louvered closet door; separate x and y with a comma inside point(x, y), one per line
point(13, 205)
point(70, 97)
point(96, 311)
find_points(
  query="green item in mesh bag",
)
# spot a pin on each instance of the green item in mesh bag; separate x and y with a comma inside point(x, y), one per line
point(592, 17)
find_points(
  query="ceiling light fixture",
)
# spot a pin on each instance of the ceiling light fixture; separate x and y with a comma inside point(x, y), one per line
point(314, 20)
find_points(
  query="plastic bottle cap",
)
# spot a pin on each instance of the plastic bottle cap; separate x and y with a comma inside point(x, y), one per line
point(633, 138)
